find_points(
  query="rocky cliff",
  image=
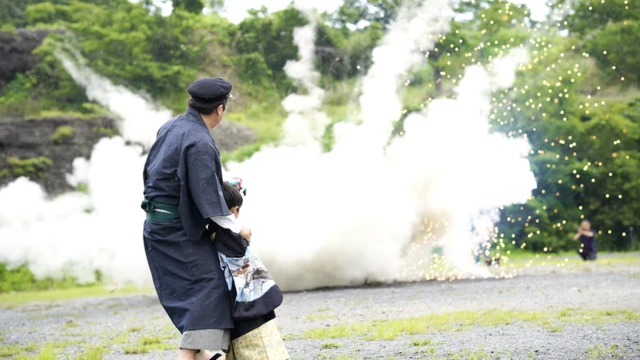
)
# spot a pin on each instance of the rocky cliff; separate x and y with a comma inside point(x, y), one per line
point(16, 53)
point(44, 149)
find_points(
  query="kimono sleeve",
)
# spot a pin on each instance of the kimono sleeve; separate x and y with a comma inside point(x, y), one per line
point(203, 182)
point(226, 241)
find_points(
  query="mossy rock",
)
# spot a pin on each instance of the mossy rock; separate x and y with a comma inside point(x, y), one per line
point(28, 167)
point(62, 135)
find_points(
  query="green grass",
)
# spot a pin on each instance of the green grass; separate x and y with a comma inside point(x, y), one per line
point(476, 355)
point(87, 111)
point(17, 298)
point(316, 317)
point(96, 352)
point(69, 324)
point(426, 342)
point(148, 344)
point(430, 350)
point(344, 357)
point(12, 350)
point(330, 345)
point(287, 337)
point(120, 339)
point(522, 260)
point(601, 351)
point(265, 119)
point(49, 352)
point(135, 329)
point(464, 320)
point(267, 122)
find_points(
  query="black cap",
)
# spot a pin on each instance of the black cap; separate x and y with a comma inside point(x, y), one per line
point(210, 89)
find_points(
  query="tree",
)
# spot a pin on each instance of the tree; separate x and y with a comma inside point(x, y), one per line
point(607, 29)
point(214, 6)
point(586, 16)
point(125, 42)
point(584, 151)
point(384, 11)
point(192, 6)
point(271, 36)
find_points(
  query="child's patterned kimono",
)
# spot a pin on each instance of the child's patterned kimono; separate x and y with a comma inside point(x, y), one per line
point(256, 298)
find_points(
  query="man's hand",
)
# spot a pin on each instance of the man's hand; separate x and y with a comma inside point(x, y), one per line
point(246, 234)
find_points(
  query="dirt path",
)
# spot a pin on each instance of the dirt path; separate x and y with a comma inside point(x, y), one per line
point(589, 311)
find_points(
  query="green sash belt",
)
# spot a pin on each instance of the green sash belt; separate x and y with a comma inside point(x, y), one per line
point(160, 212)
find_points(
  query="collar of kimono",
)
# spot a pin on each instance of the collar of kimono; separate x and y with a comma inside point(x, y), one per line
point(195, 114)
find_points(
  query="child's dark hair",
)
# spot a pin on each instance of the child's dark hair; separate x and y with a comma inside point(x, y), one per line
point(231, 195)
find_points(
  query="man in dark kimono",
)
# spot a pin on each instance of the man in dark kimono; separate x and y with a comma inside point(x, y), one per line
point(183, 191)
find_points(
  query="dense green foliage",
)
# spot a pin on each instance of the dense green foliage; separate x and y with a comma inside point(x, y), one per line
point(21, 279)
point(583, 121)
point(576, 102)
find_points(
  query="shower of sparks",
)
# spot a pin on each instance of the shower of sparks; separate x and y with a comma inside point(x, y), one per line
point(557, 67)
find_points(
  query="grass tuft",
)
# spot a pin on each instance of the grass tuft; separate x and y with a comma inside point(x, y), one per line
point(49, 352)
point(134, 329)
point(12, 350)
point(422, 342)
point(69, 324)
point(97, 352)
point(601, 351)
point(148, 344)
point(464, 320)
point(120, 339)
point(473, 355)
point(18, 298)
point(317, 317)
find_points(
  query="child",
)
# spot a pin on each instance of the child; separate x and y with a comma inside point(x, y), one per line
point(587, 238)
point(255, 295)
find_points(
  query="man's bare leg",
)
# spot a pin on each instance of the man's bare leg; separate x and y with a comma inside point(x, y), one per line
point(186, 354)
point(207, 355)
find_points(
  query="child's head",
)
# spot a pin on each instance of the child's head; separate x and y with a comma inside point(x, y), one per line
point(232, 197)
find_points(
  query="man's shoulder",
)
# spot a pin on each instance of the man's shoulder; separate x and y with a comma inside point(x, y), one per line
point(183, 123)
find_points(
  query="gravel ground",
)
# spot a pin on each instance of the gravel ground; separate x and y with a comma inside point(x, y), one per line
point(119, 323)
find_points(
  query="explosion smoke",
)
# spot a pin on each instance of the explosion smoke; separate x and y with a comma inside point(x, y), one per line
point(76, 234)
point(319, 218)
point(306, 123)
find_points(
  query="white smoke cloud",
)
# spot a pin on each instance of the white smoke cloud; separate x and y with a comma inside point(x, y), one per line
point(415, 29)
point(352, 214)
point(140, 117)
point(320, 219)
point(463, 167)
point(76, 234)
point(306, 123)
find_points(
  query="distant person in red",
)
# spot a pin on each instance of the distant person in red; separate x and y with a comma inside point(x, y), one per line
point(588, 241)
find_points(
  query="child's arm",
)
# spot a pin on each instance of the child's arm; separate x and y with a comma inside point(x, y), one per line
point(231, 222)
point(228, 222)
point(226, 241)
